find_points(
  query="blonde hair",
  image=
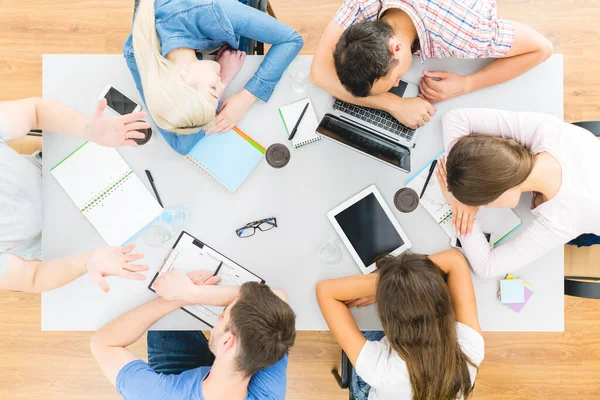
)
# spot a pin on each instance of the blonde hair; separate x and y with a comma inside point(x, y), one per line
point(173, 104)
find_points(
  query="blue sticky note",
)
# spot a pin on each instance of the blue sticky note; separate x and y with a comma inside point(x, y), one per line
point(512, 291)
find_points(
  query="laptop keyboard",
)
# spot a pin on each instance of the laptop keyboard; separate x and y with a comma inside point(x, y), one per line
point(366, 142)
point(375, 117)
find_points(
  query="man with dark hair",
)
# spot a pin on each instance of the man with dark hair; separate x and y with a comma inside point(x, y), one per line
point(369, 45)
point(245, 358)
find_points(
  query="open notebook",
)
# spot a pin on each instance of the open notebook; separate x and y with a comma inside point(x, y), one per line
point(499, 221)
point(307, 130)
point(228, 158)
point(190, 254)
point(107, 192)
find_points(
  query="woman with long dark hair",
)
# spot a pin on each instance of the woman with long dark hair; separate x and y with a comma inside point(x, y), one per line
point(495, 156)
point(431, 344)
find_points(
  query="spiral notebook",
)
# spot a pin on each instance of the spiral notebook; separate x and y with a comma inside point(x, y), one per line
point(190, 254)
point(107, 192)
point(499, 221)
point(228, 158)
point(307, 130)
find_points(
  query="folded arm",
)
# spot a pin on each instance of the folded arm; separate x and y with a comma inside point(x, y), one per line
point(332, 295)
point(109, 344)
point(460, 286)
point(529, 48)
point(536, 240)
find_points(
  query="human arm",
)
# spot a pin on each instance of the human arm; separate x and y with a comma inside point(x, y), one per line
point(460, 286)
point(410, 111)
point(21, 116)
point(285, 45)
point(41, 276)
point(109, 344)
point(528, 49)
point(332, 295)
point(536, 240)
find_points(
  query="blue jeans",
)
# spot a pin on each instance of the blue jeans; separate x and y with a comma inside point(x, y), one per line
point(173, 352)
point(360, 389)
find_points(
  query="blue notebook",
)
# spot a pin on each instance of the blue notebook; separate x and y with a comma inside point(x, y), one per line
point(229, 157)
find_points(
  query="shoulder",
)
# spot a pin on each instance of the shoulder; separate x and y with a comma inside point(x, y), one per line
point(471, 343)
point(377, 361)
point(270, 383)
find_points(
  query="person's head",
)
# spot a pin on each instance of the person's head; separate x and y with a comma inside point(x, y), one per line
point(487, 171)
point(416, 313)
point(181, 100)
point(370, 59)
point(255, 331)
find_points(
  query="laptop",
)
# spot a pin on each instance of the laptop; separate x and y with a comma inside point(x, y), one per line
point(370, 131)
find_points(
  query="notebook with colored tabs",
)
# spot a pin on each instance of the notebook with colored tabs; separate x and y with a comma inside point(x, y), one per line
point(501, 222)
point(228, 158)
point(307, 129)
point(107, 192)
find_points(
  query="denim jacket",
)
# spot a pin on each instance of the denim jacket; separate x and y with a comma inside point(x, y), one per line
point(209, 24)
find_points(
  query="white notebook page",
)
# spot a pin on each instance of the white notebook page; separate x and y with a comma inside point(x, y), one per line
point(108, 193)
point(306, 132)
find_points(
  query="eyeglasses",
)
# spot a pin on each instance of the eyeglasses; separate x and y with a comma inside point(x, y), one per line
point(250, 228)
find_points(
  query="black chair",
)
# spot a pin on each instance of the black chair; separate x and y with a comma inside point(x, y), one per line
point(584, 286)
point(254, 47)
point(343, 379)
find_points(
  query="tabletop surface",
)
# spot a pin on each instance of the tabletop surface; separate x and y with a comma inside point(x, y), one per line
point(319, 177)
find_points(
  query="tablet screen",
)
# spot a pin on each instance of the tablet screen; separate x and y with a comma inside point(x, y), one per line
point(369, 230)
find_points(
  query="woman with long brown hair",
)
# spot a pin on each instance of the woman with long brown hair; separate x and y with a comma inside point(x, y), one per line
point(431, 344)
point(495, 156)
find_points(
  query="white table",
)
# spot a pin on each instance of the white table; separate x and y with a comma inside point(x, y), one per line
point(318, 178)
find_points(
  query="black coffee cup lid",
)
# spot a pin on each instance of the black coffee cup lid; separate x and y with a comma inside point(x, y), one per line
point(406, 200)
point(278, 155)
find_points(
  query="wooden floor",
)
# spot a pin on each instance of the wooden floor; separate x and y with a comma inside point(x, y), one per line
point(35, 365)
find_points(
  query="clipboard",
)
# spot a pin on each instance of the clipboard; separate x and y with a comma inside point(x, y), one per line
point(191, 254)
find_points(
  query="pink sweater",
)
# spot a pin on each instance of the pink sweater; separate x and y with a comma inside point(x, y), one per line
point(573, 211)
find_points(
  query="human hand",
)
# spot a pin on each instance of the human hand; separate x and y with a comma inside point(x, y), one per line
point(232, 111)
point(413, 112)
point(231, 62)
point(463, 216)
point(114, 261)
point(360, 302)
point(111, 131)
point(439, 86)
point(177, 286)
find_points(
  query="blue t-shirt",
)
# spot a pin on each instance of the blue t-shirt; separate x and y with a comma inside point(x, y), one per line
point(137, 380)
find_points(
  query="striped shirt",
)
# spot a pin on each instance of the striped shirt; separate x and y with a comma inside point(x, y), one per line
point(446, 28)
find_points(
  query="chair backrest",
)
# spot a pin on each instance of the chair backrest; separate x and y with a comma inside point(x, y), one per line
point(579, 286)
point(592, 126)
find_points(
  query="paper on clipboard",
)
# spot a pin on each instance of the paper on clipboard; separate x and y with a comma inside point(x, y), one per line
point(189, 255)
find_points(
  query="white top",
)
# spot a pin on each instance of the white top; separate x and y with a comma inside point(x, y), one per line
point(383, 369)
point(20, 203)
point(572, 212)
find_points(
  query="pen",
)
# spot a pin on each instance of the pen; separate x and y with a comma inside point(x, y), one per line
point(431, 169)
point(154, 187)
point(298, 123)
point(218, 268)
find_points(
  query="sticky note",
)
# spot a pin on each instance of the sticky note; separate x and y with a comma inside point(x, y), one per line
point(512, 291)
